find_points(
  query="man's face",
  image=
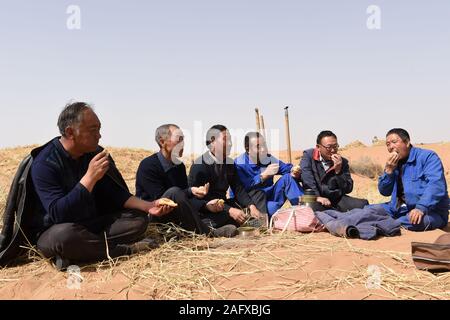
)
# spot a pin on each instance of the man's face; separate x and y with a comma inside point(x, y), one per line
point(395, 144)
point(174, 144)
point(221, 146)
point(257, 149)
point(328, 146)
point(87, 134)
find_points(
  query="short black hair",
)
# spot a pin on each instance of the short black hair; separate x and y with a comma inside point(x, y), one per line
point(248, 136)
point(402, 133)
point(323, 134)
point(72, 114)
point(212, 132)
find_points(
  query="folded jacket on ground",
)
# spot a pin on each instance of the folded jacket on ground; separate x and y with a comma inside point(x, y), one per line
point(366, 224)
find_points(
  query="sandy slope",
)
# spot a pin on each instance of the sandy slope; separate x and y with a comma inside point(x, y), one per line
point(317, 266)
point(290, 266)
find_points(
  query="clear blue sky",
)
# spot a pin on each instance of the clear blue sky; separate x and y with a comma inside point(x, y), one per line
point(144, 63)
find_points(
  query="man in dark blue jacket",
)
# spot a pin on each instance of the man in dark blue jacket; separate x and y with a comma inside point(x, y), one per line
point(163, 175)
point(414, 178)
point(217, 168)
point(85, 209)
point(328, 175)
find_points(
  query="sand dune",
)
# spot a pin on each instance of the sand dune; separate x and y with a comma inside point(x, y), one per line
point(288, 266)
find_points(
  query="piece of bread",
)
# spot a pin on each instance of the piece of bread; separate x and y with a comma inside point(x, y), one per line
point(393, 153)
point(167, 202)
point(204, 188)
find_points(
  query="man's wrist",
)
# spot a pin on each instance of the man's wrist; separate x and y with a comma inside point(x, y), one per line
point(148, 205)
point(421, 208)
point(88, 182)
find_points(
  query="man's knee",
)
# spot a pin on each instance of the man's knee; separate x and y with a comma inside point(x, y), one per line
point(174, 194)
point(139, 225)
point(287, 178)
point(348, 203)
point(259, 197)
point(364, 202)
point(58, 238)
point(136, 221)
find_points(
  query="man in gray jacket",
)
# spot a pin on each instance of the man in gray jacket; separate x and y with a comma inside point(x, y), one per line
point(328, 174)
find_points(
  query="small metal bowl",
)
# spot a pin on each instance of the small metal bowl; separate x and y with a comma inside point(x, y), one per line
point(247, 232)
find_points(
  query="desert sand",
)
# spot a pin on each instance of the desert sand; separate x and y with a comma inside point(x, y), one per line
point(278, 266)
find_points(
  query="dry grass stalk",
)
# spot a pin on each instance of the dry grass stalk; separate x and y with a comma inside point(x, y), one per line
point(196, 266)
point(189, 266)
point(366, 167)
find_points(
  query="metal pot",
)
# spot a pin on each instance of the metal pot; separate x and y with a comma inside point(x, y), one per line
point(248, 232)
point(309, 199)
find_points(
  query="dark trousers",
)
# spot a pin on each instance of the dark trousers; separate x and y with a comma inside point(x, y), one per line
point(185, 215)
point(345, 204)
point(348, 203)
point(86, 241)
point(219, 219)
point(259, 198)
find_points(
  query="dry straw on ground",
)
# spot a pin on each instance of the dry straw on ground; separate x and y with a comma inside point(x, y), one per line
point(196, 267)
point(187, 266)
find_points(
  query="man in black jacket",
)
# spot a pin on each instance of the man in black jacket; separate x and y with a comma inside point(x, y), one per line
point(328, 175)
point(85, 210)
point(163, 175)
point(217, 168)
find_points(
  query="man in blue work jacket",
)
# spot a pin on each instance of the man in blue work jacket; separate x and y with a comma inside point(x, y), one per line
point(256, 169)
point(415, 179)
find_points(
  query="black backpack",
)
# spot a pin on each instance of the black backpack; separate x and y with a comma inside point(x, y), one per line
point(20, 200)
